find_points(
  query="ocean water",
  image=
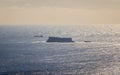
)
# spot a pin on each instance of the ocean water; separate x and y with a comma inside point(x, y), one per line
point(23, 54)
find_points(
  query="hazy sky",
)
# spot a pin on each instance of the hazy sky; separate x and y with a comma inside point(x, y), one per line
point(59, 12)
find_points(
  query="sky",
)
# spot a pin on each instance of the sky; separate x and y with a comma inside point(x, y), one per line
point(22, 12)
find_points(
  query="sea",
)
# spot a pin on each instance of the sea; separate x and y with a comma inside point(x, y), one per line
point(96, 50)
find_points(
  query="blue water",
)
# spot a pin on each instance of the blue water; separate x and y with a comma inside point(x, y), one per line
point(23, 54)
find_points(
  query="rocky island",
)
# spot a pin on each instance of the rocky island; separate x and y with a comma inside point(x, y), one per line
point(59, 39)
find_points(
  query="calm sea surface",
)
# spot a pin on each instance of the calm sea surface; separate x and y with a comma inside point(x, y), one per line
point(23, 54)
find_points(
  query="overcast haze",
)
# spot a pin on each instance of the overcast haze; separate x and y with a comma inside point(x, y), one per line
point(60, 12)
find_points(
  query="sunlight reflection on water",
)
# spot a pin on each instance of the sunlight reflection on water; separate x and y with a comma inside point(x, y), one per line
point(23, 54)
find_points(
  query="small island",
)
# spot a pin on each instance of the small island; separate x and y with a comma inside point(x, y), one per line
point(59, 39)
point(38, 36)
point(87, 41)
